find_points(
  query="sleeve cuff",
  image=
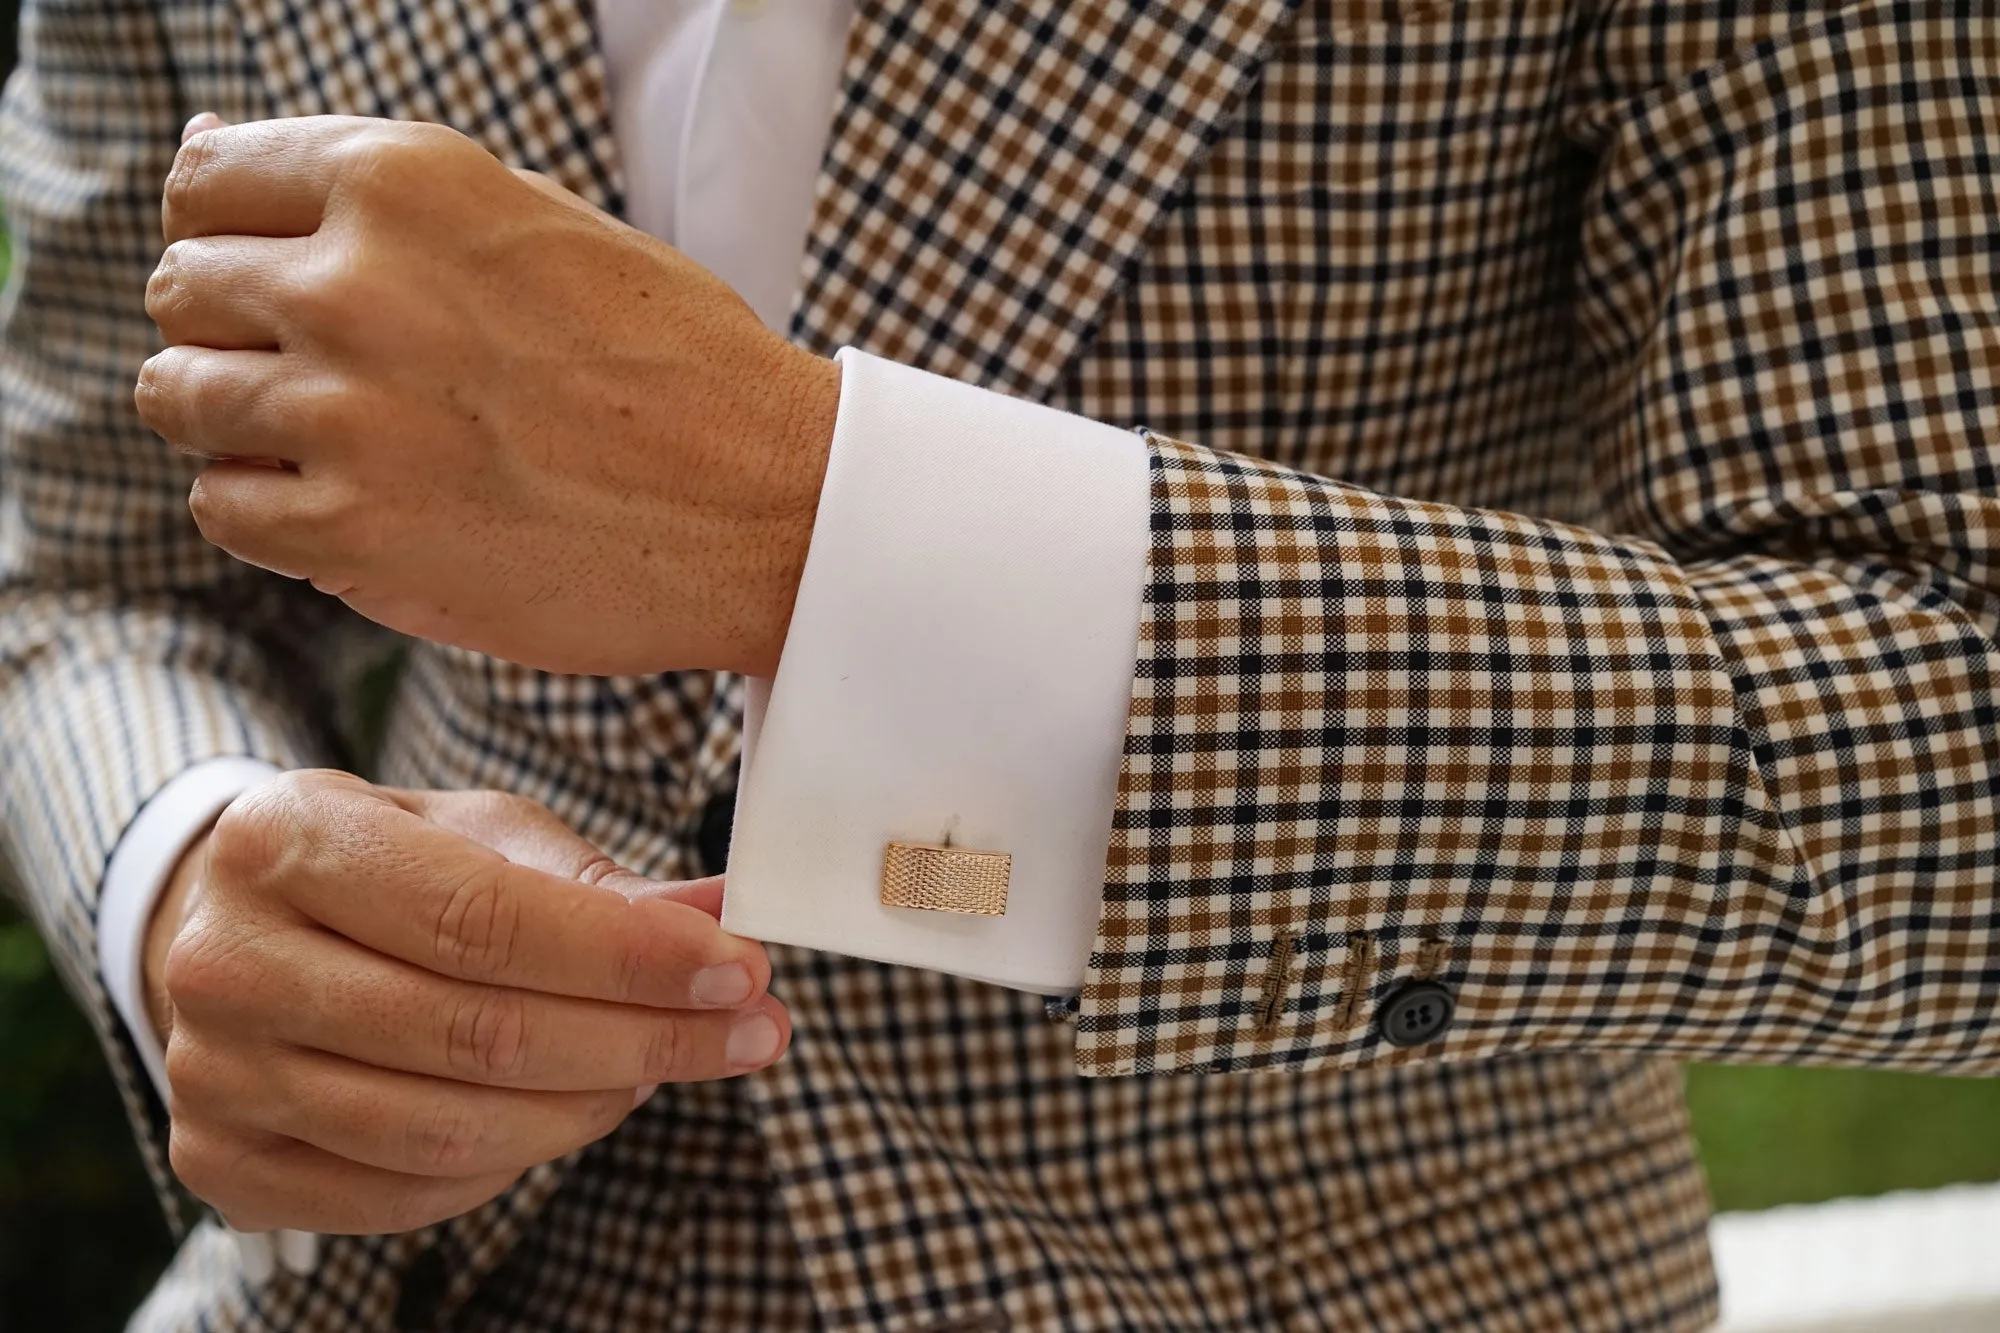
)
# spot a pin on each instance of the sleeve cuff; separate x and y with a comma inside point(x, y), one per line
point(137, 874)
point(958, 668)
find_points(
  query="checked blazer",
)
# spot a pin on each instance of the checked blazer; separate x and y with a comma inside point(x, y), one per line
point(1573, 585)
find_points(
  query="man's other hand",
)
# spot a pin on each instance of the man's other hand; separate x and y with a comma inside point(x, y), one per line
point(380, 1006)
point(475, 408)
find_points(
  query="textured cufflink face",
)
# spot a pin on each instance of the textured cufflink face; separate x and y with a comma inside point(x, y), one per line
point(945, 879)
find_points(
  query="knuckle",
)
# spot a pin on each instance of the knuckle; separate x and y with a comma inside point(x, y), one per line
point(607, 1113)
point(205, 970)
point(188, 175)
point(214, 514)
point(492, 806)
point(517, 805)
point(428, 145)
point(385, 164)
point(157, 393)
point(207, 1162)
point(320, 411)
point(631, 966)
point(303, 786)
point(380, 163)
point(511, 811)
point(249, 834)
point(444, 1139)
point(477, 929)
point(420, 1204)
point(325, 294)
point(190, 1073)
point(297, 819)
point(167, 290)
point(486, 1037)
point(179, 393)
point(669, 1054)
point(339, 525)
point(190, 1158)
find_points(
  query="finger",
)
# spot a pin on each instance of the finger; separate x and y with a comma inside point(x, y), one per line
point(223, 292)
point(412, 1124)
point(234, 404)
point(520, 828)
point(264, 1183)
point(200, 123)
point(380, 875)
point(704, 894)
point(319, 992)
point(529, 833)
point(264, 514)
point(266, 178)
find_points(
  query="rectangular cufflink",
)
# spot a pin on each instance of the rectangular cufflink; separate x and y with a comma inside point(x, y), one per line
point(933, 878)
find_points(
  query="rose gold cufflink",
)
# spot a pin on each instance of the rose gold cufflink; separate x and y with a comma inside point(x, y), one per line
point(935, 878)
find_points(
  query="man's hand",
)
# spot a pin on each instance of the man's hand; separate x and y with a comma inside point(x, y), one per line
point(475, 408)
point(380, 1007)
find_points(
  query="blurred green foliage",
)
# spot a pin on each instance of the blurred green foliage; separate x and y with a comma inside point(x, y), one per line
point(1770, 1136)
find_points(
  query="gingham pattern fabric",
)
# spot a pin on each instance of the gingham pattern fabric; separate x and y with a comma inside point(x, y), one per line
point(1727, 787)
point(1705, 273)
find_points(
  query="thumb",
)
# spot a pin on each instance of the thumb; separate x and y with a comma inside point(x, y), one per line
point(202, 122)
point(704, 895)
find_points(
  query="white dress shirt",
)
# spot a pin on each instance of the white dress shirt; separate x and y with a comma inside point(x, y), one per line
point(960, 659)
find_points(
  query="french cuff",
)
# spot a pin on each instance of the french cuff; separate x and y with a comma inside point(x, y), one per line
point(929, 778)
point(137, 875)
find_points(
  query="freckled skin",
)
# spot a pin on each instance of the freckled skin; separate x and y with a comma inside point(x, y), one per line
point(516, 425)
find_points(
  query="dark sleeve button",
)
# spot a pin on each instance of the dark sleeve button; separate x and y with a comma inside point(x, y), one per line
point(1416, 1013)
point(711, 838)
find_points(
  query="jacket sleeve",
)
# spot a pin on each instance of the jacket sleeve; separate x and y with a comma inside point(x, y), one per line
point(1725, 785)
point(129, 648)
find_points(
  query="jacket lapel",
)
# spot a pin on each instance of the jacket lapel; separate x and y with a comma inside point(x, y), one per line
point(995, 165)
point(523, 77)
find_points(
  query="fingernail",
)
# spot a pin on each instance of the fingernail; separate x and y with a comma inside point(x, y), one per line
point(644, 1095)
point(206, 120)
point(752, 1042)
point(723, 985)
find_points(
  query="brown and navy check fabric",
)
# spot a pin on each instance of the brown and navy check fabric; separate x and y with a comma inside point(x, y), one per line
point(1725, 786)
point(1581, 595)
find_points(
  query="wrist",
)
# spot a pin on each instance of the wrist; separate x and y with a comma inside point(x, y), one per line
point(808, 403)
